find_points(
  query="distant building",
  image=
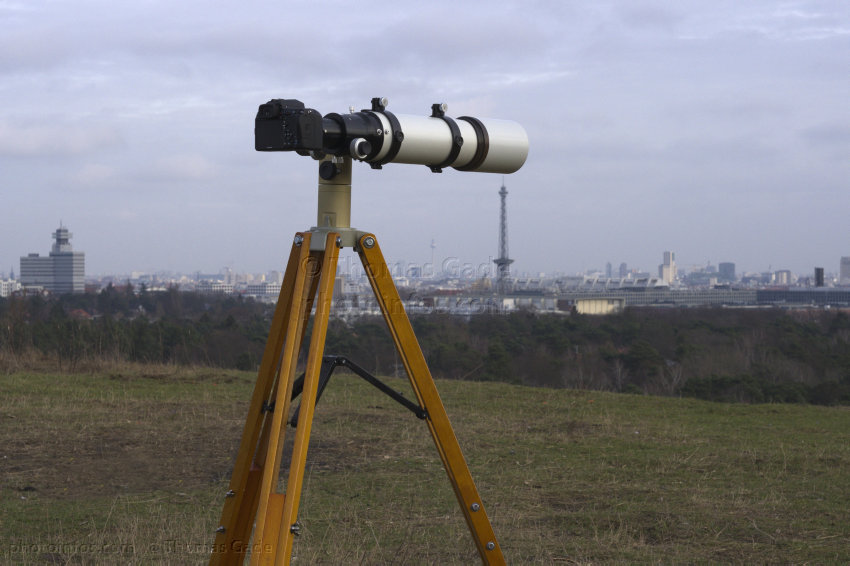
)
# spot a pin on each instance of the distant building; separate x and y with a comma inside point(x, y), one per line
point(819, 277)
point(667, 270)
point(783, 277)
point(63, 271)
point(844, 271)
point(275, 277)
point(601, 305)
point(264, 289)
point(214, 287)
point(8, 286)
point(726, 271)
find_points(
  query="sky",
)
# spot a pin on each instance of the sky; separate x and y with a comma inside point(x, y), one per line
point(719, 130)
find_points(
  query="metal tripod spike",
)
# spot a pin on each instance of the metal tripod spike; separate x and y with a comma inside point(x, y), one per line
point(252, 503)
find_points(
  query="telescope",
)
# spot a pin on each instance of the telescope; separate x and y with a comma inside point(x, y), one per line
point(378, 137)
point(254, 509)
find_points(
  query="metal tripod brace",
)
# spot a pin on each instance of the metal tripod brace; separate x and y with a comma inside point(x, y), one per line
point(252, 502)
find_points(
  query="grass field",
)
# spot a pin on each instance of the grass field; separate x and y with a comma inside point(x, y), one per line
point(129, 466)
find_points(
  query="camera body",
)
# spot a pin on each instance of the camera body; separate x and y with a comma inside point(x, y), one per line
point(286, 125)
point(378, 137)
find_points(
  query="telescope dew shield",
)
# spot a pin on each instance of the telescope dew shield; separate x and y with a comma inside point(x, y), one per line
point(489, 145)
point(379, 137)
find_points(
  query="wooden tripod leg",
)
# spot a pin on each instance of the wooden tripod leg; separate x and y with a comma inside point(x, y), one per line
point(240, 506)
point(426, 392)
point(252, 467)
point(295, 481)
point(271, 502)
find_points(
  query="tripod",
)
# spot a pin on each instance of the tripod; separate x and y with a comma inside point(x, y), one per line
point(252, 500)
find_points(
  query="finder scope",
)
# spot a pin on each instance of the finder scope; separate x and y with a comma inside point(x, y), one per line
point(379, 137)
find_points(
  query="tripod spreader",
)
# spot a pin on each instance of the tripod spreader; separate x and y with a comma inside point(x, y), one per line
point(329, 364)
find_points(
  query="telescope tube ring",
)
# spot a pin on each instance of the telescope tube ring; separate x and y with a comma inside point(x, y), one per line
point(438, 111)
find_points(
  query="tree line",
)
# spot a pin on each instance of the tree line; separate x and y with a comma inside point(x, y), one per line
point(747, 355)
point(122, 324)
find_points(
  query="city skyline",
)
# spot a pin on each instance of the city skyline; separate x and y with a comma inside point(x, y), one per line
point(453, 265)
point(717, 130)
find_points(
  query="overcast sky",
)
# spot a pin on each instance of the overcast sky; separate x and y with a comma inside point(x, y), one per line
point(717, 129)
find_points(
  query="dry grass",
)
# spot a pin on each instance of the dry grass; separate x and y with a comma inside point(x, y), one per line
point(129, 466)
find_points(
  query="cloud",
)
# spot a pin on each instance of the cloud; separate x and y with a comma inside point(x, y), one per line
point(649, 17)
point(95, 175)
point(828, 134)
point(832, 141)
point(179, 169)
point(57, 139)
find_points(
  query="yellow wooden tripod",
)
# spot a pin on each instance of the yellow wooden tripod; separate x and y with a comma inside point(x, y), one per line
point(253, 503)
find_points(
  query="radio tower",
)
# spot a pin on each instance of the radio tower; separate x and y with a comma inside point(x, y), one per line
point(502, 262)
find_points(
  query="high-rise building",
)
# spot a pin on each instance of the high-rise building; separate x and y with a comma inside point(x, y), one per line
point(844, 271)
point(726, 271)
point(667, 270)
point(63, 271)
point(783, 277)
point(819, 277)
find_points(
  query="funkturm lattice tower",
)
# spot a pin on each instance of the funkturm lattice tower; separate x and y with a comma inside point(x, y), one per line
point(503, 262)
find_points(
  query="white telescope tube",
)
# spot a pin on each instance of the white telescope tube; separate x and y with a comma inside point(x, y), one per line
point(489, 145)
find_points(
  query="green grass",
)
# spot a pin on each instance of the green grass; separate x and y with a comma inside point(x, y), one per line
point(131, 466)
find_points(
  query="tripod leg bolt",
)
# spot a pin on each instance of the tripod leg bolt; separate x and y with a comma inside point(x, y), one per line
point(299, 239)
point(368, 242)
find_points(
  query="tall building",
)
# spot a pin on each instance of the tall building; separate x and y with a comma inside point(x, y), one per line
point(63, 271)
point(667, 270)
point(783, 277)
point(819, 277)
point(726, 271)
point(844, 271)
